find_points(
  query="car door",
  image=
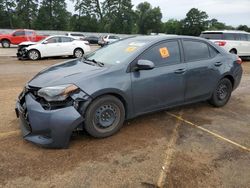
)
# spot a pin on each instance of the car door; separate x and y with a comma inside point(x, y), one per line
point(18, 37)
point(162, 86)
point(67, 45)
point(50, 47)
point(202, 62)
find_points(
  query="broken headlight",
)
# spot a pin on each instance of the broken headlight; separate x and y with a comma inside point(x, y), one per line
point(57, 93)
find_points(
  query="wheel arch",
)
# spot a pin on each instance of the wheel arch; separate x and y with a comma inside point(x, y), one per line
point(116, 93)
point(234, 49)
point(231, 78)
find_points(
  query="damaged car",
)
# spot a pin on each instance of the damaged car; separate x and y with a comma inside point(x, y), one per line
point(58, 45)
point(123, 80)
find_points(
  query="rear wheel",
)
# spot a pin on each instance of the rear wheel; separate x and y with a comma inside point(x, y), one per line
point(34, 55)
point(5, 43)
point(222, 93)
point(104, 117)
point(78, 53)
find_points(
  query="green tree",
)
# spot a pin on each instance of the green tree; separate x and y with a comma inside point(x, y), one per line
point(26, 12)
point(214, 24)
point(7, 9)
point(118, 16)
point(89, 15)
point(243, 28)
point(173, 26)
point(148, 19)
point(53, 15)
point(195, 22)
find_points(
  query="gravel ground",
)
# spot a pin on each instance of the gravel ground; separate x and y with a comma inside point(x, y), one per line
point(155, 150)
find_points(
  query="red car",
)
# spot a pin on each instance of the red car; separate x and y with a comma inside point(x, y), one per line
point(18, 36)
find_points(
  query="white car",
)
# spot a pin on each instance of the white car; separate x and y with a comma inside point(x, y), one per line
point(107, 39)
point(77, 36)
point(55, 46)
point(237, 42)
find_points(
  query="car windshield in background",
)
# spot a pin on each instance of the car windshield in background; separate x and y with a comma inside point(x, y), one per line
point(117, 52)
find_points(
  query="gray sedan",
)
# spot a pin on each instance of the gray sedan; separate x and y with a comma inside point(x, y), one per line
point(123, 80)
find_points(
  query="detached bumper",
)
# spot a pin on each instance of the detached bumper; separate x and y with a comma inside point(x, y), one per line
point(48, 128)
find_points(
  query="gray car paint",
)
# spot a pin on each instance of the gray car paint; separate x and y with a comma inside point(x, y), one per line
point(141, 91)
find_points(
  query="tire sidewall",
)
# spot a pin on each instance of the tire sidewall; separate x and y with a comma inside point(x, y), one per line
point(90, 115)
point(215, 100)
point(36, 52)
point(5, 42)
point(76, 51)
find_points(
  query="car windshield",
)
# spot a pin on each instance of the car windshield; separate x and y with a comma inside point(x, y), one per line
point(117, 52)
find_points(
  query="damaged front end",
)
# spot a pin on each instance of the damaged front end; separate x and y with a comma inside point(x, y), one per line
point(22, 52)
point(50, 123)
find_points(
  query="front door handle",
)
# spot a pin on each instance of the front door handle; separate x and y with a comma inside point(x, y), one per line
point(217, 64)
point(180, 71)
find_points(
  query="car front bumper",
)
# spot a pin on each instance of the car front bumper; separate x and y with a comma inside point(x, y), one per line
point(48, 128)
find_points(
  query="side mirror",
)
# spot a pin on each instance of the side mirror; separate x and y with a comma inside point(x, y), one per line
point(144, 65)
point(45, 42)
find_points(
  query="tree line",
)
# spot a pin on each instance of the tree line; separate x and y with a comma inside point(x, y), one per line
point(114, 16)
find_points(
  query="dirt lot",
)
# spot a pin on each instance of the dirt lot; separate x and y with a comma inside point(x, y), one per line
point(156, 150)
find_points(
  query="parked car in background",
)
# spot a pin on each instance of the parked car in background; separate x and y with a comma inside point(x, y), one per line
point(78, 36)
point(59, 45)
point(121, 81)
point(237, 42)
point(92, 39)
point(19, 36)
point(107, 39)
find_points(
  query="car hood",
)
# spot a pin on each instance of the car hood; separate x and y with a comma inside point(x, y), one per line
point(28, 43)
point(73, 71)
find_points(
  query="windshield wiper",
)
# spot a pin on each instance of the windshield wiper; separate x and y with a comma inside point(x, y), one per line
point(100, 64)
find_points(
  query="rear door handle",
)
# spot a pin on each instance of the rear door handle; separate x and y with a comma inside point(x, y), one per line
point(217, 64)
point(180, 71)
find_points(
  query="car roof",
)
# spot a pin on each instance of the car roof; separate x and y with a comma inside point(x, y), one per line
point(158, 38)
point(225, 31)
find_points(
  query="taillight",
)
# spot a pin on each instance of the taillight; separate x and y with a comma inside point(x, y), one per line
point(239, 61)
point(220, 43)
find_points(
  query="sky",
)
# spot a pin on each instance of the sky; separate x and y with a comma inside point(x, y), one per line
point(231, 12)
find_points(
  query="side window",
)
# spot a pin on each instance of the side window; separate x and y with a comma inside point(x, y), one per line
point(66, 39)
point(213, 52)
point(195, 50)
point(229, 36)
point(53, 40)
point(241, 37)
point(19, 33)
point(248, 37)
point(163, 54)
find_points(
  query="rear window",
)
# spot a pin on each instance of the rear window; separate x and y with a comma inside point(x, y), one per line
point(195, 50)
point(229, 36)
point(213, 36)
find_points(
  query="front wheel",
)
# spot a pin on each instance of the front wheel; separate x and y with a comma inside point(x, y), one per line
point(104, 117)
point(222, 93)
point(34, 55)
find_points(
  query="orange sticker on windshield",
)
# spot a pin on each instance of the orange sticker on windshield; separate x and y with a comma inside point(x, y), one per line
point(130, 49)
point(164, 52)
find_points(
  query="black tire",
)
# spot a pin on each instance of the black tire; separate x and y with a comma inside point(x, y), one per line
point(104, 117)
point(78, 53)
point(34, 55)
point(233, 51)
point(222, 93)
point(5, 43)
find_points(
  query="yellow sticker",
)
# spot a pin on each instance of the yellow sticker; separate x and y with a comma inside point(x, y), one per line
point(164, 52)
point(130, 49)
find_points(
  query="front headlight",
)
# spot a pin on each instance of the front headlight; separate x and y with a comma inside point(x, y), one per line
point(57, 93)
